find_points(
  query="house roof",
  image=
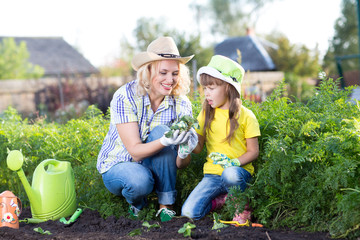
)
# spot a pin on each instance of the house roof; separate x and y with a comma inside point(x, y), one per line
point(254, 56)
point(56, 56)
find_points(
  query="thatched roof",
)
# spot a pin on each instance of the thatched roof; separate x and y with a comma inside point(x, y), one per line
point(56, 56)
point(254, 56)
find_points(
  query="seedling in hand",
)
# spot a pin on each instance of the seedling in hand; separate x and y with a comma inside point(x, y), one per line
point(184, 124)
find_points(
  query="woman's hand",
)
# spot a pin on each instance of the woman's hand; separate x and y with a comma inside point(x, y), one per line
point(175, 139)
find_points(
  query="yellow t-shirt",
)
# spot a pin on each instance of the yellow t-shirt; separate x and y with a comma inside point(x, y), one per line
point(248, 128)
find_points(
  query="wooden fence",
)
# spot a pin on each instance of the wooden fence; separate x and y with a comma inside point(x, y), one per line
point(27, 96)
point(30, 96)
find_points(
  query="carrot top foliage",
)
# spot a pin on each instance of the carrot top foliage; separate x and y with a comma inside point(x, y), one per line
point(307, 174)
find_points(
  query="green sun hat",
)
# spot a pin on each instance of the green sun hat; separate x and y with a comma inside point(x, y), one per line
point(225, 69)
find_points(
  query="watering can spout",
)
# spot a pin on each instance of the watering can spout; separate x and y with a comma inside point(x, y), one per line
point(14, 162)
point(32, 194)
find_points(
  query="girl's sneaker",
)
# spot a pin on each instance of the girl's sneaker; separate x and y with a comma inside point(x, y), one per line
point(165, 214)
point(218, 202)
point(243, 217)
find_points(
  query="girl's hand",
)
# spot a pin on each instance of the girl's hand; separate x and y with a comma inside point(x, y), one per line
point(223, 160)
point(186, 148)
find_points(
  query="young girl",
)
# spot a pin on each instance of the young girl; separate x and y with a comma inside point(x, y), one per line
point(230, 132)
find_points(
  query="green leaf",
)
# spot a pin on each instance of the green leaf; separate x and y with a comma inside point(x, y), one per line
point(186, 229)
point(147, 224)
point(41, 231)
point(135, 232)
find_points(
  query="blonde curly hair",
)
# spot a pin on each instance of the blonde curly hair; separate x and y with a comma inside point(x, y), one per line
point(148, 71)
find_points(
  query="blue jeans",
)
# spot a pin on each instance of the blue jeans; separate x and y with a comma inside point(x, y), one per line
point(135, 181)
point(198, 204)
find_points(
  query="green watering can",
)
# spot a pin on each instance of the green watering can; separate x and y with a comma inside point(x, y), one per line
point(52, 193)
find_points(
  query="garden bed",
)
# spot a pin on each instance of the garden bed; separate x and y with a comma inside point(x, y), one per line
point(90, 225)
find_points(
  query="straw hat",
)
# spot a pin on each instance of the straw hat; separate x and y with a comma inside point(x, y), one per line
point(224, 69)
point(163, 48)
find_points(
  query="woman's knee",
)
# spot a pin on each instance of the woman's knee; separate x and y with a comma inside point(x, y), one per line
point(129, 179)
point(139, 188)
point(157, 132)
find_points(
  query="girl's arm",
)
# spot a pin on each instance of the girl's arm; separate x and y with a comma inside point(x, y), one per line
point(182, 163)
point(129, 134)
point(200, 144)
point(252, 152)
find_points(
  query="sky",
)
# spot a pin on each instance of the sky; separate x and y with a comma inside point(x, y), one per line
point(96, 27)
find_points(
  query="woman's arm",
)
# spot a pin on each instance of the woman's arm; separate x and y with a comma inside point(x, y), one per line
point(129, 134)
point(252, 146)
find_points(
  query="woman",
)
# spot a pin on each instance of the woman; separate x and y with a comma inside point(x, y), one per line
point(136, 156)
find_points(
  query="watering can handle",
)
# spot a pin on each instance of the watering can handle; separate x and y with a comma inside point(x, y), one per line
point(48, 162)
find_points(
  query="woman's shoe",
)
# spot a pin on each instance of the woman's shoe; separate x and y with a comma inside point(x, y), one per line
point(133, 212)
point(165, 214)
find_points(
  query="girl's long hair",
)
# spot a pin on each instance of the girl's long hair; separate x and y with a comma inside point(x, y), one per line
point(148, 71)
point(234, 108)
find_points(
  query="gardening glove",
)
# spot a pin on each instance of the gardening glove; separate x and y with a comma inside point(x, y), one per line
point(186, 148)
point(223, 160)
point(176, 138)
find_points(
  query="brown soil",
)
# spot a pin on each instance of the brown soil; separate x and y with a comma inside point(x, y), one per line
point(90, 225)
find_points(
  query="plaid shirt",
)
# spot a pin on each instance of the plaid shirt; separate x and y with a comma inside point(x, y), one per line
point(127, 106)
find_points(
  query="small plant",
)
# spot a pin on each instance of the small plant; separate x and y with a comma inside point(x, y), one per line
point(186, 229)
point(184, 124)
point(41, 231)
point(135, 232)
point(217, 223)
point(147, 224)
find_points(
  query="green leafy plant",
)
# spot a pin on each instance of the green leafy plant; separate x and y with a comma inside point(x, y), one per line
point(184, 124)
point(309, 152)
point(135, 232)
point(217, 224)
point(41, 231)
point(235, 202)
point(186, 229)
point(148, 226)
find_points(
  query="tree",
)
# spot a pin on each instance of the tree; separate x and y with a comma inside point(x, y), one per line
point(14, 61)
point(297, 62)
point(297, 59)
point(345, 40)
point(231, 17)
